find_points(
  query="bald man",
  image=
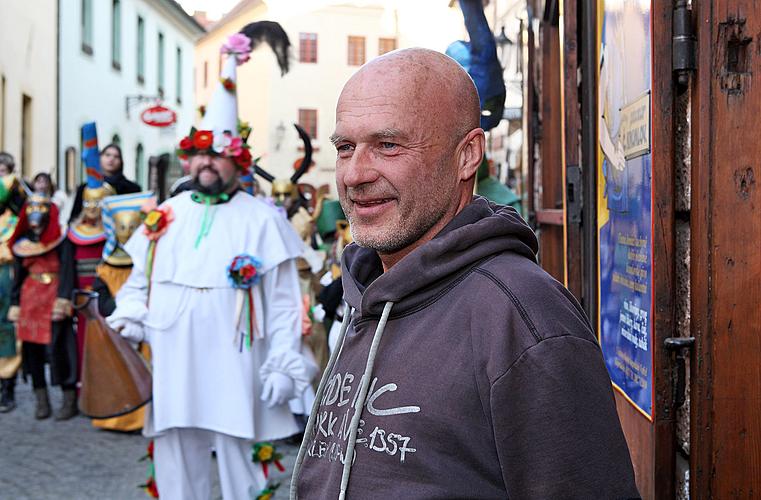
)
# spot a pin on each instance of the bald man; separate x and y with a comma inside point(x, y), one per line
point(463, 369)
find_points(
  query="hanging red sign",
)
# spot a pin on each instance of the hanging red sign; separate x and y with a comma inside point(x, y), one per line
point(158, 116)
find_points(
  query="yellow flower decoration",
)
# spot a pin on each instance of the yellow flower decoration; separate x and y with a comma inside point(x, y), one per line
point(265, 453)
point(152, 218)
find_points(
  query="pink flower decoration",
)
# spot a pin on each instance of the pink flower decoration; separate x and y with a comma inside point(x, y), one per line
point(239, 45)
point(235, 147)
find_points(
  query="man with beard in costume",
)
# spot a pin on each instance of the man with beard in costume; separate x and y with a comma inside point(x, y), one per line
point(214, 291)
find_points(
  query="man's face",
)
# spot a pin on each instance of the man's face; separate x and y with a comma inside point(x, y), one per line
point(213, 174)
point(395, 171)
point(111, 161)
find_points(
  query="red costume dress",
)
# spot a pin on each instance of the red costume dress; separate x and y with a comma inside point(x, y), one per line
point(83, 249)
point(42, 285)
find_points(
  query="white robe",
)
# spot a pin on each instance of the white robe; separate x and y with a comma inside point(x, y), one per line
point(201, 378)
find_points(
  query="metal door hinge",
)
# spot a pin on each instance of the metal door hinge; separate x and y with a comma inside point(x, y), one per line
point(679, 345)
point(683, 44)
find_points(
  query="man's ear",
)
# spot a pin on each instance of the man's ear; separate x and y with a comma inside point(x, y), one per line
point(470, 153)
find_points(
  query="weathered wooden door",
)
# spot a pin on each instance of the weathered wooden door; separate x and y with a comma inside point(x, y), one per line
point(726, 252)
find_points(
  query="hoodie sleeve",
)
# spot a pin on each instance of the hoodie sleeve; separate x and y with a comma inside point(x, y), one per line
point(556, 427)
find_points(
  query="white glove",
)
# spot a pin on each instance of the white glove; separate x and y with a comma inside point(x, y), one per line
point(278, 389)
point(130, 330)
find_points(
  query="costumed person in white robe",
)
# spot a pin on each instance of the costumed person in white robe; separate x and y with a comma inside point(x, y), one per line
point(214, 290)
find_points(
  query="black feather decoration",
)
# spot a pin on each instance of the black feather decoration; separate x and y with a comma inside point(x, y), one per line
point(275, 36)
point(306, 162)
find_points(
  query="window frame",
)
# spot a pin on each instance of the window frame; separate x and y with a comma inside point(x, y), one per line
point(178, 75)
point(86, 25)
point(354, 56)
point(161, 64)
point(309, 121)
point(116, 34)
point(308, 46)
point(140, 45)
point(381, 41)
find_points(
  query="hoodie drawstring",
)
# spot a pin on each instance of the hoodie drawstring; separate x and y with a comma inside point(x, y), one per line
point(311, 422)
point(362, 397)
point(349, 458)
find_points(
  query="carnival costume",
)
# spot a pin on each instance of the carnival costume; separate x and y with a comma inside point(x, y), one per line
point(10, 355)
point(86, 237)
point(121, 218)
point(214, 291)
point(40, 302)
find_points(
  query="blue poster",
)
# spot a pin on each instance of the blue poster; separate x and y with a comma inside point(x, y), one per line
point(624, 199)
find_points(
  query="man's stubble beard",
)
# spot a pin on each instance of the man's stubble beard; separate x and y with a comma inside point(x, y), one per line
point(408, 232)
point(396, 239)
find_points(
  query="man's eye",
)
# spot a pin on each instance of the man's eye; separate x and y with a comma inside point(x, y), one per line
point(344, 148)
point(388, 145)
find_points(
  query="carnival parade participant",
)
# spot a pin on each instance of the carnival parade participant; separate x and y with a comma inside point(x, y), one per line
point(41, 307)
point(82, 249)
point(10, 353)
point(214, 291)
point(111, 165)
point(463, 370)
point(121, 218)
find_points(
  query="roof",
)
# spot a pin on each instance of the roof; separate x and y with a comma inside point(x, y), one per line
point(182, 17)
point(241, 6)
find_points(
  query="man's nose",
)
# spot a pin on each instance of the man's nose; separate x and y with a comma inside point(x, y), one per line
point(359, 169)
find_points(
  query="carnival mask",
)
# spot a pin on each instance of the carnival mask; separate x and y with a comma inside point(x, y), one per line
point(91, 200)
point(125, 223)
point(283, 192)
point(37, 215)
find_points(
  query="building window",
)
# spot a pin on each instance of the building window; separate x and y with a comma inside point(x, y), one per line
point(140, 50)
point(115, 139)
point(141, 176)
point(87, 26)
point(205, 74)
point(26, 136)
point(386, 45)
point(308, 47)
point(161, 72)
point(116, 34)
point(308, 121)
point(356, 50)
point(70, 166)
point(178, 76)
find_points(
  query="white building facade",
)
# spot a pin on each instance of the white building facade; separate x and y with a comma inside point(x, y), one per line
point(28, 48)
point(117, 58)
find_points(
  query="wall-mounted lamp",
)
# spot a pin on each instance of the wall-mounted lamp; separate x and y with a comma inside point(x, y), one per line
point(279, 135)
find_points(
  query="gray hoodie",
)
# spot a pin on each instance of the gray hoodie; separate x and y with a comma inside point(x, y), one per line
point(487, 381)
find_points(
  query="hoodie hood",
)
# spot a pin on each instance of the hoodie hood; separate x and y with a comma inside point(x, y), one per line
point(481, 230)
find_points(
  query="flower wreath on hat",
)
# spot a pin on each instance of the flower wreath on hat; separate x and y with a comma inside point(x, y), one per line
point(226, 145)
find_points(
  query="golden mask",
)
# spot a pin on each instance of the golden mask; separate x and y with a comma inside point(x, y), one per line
point(283, 190)
point(125, 223)
point(91, 198)
point(38, 204)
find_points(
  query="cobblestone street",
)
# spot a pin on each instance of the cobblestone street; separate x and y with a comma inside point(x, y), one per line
point(72, 460)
